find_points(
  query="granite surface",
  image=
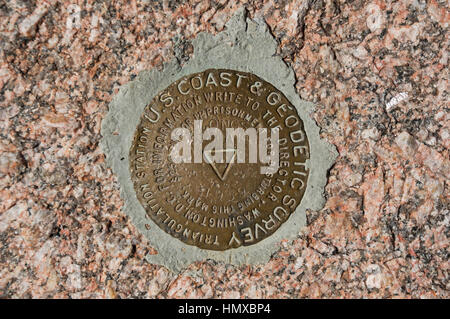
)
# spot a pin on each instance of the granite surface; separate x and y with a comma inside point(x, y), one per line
point(378, 73)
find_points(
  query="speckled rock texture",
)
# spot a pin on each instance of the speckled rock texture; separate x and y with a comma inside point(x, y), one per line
point(378, 73)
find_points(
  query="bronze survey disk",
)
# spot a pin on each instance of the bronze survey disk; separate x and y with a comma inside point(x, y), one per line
point(210, 205)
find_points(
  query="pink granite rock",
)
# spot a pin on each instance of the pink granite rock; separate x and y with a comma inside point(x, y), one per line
point(378, 73)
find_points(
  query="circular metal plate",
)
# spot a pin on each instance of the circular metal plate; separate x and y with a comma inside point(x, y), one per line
point(218, 206)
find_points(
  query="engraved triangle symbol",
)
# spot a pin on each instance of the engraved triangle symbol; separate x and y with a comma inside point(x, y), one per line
point(224, 174)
